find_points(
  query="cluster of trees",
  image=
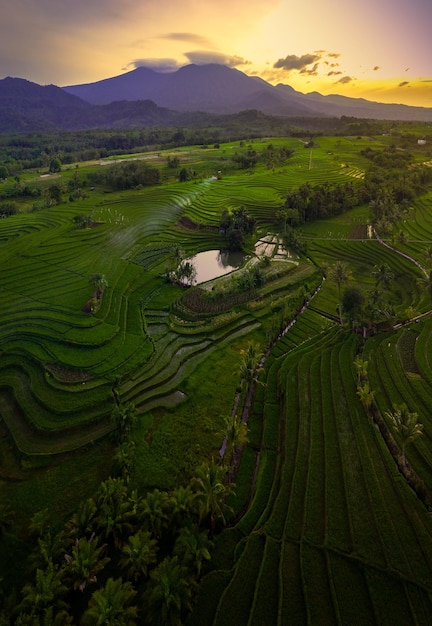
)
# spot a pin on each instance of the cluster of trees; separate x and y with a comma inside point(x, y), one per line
point(246, 159)
point(308, 203)
point(252, 277)
point(363, 310)
point(125, 558)
point(236, 226)
point(274, 156)
point(47, 195)
point(387, 190)
point(8, 208)
point(404, 182)
point(404, 424)
point(36, 150)
point(271, 156)
point(126, 175)
point(184, 272)
point(185, 174)
point(389, 158)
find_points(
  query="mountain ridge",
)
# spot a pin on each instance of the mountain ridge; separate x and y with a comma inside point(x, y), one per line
point(144, 97)
point(217, 88)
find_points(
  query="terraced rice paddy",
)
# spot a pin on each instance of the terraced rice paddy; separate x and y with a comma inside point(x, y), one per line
point(327, 530)
point(60, 364)
point(332, 535)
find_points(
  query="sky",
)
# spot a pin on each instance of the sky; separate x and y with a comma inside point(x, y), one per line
point(380, 50)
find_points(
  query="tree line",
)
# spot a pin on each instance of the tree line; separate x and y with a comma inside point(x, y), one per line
point(389, 185)
point(123, 557)
point(20, 151)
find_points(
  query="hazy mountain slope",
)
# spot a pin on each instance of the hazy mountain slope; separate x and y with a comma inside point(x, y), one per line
point(219, 89)
point(27, 106)
point(144, 97)
point(138, 84)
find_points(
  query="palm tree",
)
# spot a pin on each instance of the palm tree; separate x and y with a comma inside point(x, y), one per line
point(112, 605)
point(340, 275)
point(236, 435)
point(124, 418)
point(406, 424)
point(374, 305)
point(84, 562)
point(124, 458)
point(40, 523)
point(180, 505)
point(168, 597)
point(99, 282)
point(192, 547)
point(50, 549)
point(383, 275)
point(361, 368)
point(44, 596)
point(366, 395)
point(82, 523)
point(211, 493)
point(426, 283)
point(115, 511)
point(249, 372)
point(138, 554)
point(154, 512)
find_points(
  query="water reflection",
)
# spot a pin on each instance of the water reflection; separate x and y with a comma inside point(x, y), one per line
point(213, 263)
point(226, 258)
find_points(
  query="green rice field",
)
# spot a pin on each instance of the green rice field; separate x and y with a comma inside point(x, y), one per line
point(324, 528)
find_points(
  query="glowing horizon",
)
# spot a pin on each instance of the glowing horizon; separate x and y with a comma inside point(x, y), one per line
point(380, 53)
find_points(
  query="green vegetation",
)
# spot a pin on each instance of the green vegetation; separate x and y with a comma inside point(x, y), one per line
point(243, 451)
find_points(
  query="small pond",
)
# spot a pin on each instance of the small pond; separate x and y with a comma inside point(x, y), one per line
point(213, 263)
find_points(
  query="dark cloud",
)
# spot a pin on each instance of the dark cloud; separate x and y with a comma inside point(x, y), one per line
point(199, 57)
point(294, 62)
point(326, 53)
point(159, 65)
point(313, 71)
point(204, 57)
point(188, 37)
point(333, 73)
point(376, 68)
point(404, 83)
point(344, 80)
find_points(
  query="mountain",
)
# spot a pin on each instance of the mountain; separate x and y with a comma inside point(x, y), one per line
point(29, 107)
point(220, 89)
point(144, 97)
point(26, 106)
point(337, 105)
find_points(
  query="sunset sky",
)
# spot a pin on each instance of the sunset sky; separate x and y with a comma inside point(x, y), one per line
point(379, 50)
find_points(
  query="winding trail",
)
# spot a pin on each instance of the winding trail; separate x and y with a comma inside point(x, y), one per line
point(406, 256)
point(245, 415)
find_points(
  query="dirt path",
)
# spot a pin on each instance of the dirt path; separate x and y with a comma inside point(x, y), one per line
point(406, 256)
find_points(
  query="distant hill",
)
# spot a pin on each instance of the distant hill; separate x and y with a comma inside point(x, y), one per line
point(220, 89)
point(192, 96)
point(28, 107)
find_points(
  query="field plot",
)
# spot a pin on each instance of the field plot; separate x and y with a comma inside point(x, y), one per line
point(325, 530)
point(340, 540)
point(61, 364)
